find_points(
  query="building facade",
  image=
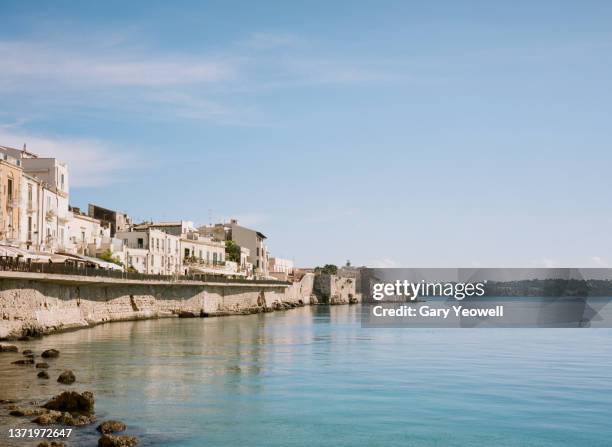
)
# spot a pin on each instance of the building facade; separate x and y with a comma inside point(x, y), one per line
point(10, 188)
point(253, 240)
point(152, 251)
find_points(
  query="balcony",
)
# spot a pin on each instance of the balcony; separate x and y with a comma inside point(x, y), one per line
point(50, 215)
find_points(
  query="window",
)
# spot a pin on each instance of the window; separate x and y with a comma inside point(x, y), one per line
point(140, 242)
point(9, 189)
point(62, 182)
point(82, 236)
point(186, 252)
point(214, 258)
point(29, 196)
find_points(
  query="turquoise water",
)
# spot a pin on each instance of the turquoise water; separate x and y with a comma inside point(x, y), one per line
point(314, 377)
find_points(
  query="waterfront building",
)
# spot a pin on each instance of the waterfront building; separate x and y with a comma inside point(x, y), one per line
point(10, 183)
point(253, 240)
point(85, 234)
point(49, 183)
point(281, 268)
point(30, 221)
point(152, 251)
point(116, 220)
point(177, 228)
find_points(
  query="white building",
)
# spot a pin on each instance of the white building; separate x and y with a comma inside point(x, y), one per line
point(152, 251)
point(30, 220)
point(253, 240)
point(54, 217)
point(85, 234)
point(204, 254)
point(280, 265)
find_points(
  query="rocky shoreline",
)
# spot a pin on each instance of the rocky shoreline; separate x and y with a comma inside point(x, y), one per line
point(67, 409)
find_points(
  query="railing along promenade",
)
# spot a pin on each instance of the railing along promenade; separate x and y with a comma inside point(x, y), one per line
point(17, 265)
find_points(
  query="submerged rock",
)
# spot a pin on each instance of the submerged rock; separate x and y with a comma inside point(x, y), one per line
point(117, 441)
point(8, 348)
point(51, 444)
point(28, 352)
point(50, 353)
point(48, 418)
point(42, 365)
point(111, 427)
point(187, 314)
point(67, 377)
point(43, 375)
point(21, 412)
point(73, 402)
point(58, 417)
point(26, 361)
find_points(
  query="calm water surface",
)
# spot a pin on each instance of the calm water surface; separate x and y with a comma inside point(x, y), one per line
point(314, 377)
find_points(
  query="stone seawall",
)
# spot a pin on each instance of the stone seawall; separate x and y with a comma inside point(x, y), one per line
point(33, 304)
point(333, 289)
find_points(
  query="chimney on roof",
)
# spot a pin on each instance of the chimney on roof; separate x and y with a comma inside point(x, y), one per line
point(24, 147)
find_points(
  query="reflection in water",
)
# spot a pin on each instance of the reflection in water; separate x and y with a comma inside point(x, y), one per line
point(314, 376)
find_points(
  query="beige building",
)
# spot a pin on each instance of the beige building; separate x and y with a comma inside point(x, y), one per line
point(42, 216)
point(10, 186)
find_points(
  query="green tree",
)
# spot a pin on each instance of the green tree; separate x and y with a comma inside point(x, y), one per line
point(327, 269)
point(107, 256)
point(232, 251)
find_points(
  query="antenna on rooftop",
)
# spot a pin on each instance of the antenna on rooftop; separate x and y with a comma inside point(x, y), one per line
point(209, 216)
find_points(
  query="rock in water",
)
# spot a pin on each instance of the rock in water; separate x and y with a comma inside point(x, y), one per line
point(111, 427)
point(52, 444)
point(48, 418)
point(73, 402)
point(42, 365)
point(50, 353)
point(67, 377)
point(117, 441)
point(43, 375)
point(27, 361)
point(28, 352)
point(8, 348)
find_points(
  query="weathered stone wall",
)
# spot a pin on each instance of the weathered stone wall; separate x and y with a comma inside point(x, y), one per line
point(331, 289)
point(32, 305)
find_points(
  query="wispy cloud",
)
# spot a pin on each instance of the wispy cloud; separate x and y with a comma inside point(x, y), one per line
point(91, 163)
point(32, 61)
point(268, 41)
point(121, 75)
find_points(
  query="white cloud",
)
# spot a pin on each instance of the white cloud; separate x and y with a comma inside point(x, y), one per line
point(90, 163)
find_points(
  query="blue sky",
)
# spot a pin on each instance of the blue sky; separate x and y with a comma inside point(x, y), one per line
point(388, 133)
